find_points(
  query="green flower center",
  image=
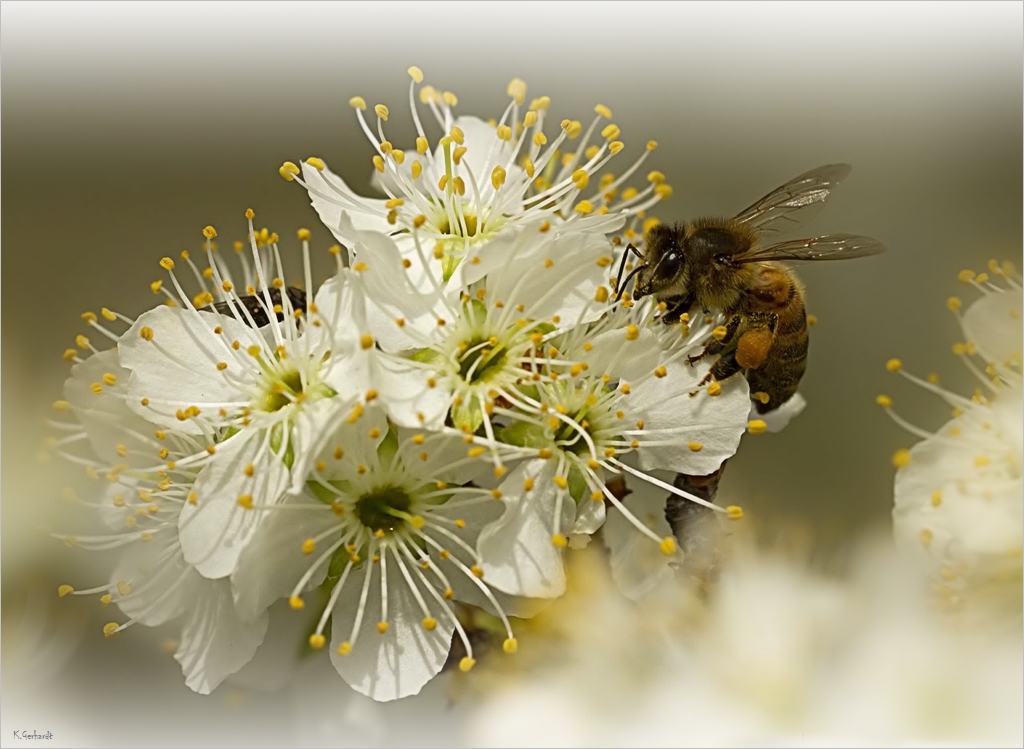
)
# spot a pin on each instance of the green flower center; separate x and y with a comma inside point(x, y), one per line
point(284, 390)
point(384, 509)
point(481, 361)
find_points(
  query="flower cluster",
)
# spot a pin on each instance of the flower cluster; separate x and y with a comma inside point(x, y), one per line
point(958, 491)
point(436, 423)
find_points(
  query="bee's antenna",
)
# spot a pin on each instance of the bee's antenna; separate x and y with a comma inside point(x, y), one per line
point(622, 267)
point(618, 292)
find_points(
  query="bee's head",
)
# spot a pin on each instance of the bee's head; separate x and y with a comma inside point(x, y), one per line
point(664, 268)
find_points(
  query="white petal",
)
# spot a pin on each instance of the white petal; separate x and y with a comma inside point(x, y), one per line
point(715, 422)
point(153, 570)
point(466, 587)
point(178, 367)
point(405, 391)
point(627, 360)
point(215, 643)
point(590, 516)
point(310, 430)
point(215, 529)
point(565, 288)
point(272, 561)
point(638, 565)
point(399, 662)
point(994, 324)
point(106, 417)
point(515, 551)
point(779, 419)
point(278, 657)
point(324, 188)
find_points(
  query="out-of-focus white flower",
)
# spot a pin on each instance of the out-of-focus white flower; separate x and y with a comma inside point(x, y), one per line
point(958, 493)
point(775, 654)
point(152, 583)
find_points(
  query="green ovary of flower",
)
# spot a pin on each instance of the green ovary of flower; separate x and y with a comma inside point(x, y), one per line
point(384, 508)
point(287, 384)
point(480, 362)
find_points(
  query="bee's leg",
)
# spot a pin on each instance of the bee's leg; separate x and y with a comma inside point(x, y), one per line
point(715, 345)
point(723, 369)
point(677, 305)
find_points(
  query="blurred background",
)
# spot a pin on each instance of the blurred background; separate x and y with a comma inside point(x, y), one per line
point(129, 127)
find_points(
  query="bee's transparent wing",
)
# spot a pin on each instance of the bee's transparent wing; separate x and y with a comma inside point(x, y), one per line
point(827, 247)
point(796, 201)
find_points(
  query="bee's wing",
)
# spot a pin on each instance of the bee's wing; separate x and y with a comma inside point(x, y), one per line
point(796, 201)
point(827, 247)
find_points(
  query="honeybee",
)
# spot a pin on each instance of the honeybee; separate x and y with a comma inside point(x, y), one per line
point(257, 305)
point(723, 263)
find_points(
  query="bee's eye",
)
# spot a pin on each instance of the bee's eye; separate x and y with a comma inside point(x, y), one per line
point(670, 264)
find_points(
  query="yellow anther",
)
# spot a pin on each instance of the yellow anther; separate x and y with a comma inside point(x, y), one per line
point(457, 135)
point(110, 629)
point(560, 482)
point(382, 627)
point(517, 90)
point(450, 99)
point(386, 147)
point(884, 401)
point(757, 426)
point(316, 163)
point(317, 641)
point(209, 232)
point(965, 276)
point(344, 649)
point(64, 590)
point(894, 365)
point(660, 372)
point(89, 317)
point(695, 446)
point(559, 541)
point(70, 354)
point(357, 102)
point(96, 388)
point(510, 646)
point(504, 133)
point(901, 458)
point(656, 177)
point(459, 185)
point(296, 603)
point(617, 145)
point(604, 111)
point(458, 153)
point(382, 112)
point(980, 461)
point(476, 452)
point(982, 278)
point(720, 332)
point(61, 406)
point(308, 546)
point(544, 453)
point(714, 389)
point(477, 571)
point(378, 163)
point(581, 178)
point(936, 498)
point(106, 599)
point(366, 341)
point(539, 139)
point(663, 191)
point(668, 546)
point(926, 537)
point(610, 132)
point(651, 145)
point(734, 512)
point(466, 664)
point(530, 120)
point(124, 588)
point(959, 349)
point(304, 234)
point(166, 263)
point(245, 501)
point(584, 207)
point(417, 522)
point(498, 176)
point(572, 128)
